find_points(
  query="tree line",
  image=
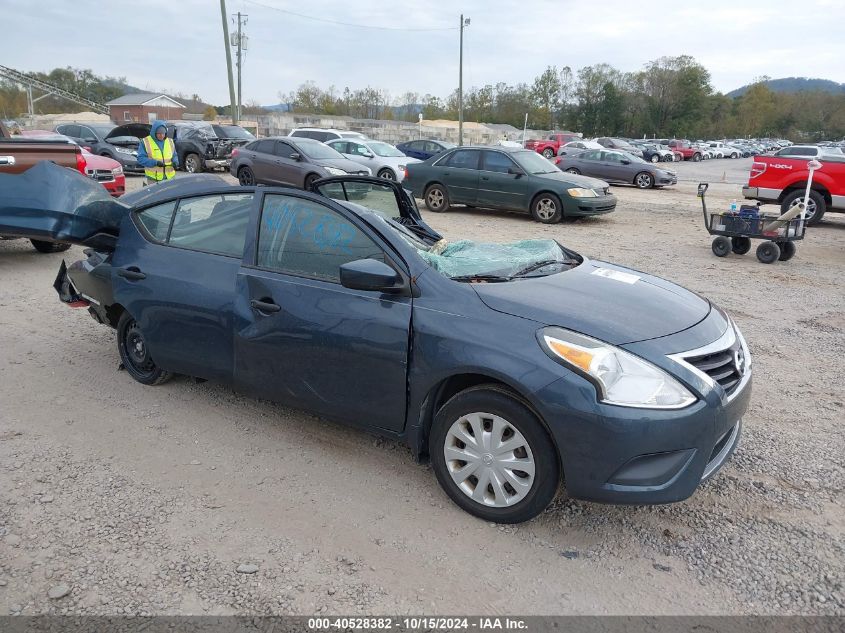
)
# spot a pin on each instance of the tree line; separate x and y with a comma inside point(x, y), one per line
point(668, 97)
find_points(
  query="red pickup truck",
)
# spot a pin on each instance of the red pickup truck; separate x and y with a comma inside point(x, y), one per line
point(687, 150)
point(549, 146)
point(783, 180)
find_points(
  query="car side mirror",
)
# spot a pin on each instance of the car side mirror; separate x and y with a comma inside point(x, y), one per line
point(89, 140)
point(369, 274)
point(516, 171)
point(367, 155)
point(295, 156)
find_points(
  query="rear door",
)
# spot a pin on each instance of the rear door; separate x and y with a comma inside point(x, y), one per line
point(496, 186)
point(174, 270)
point(459, 172)
point(263, 161)
point(302, 338)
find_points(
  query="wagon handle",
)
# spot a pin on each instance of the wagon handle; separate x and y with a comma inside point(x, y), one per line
point(702, 189)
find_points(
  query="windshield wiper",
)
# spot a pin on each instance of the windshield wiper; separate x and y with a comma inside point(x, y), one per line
point(482, 277)
point(538, 265)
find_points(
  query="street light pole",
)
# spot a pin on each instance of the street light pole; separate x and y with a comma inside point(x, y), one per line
point(464, 23)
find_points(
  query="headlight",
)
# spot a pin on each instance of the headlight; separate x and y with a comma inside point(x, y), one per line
point(581, 192)
point(620, 377)
point(117, 171)
point(400, 167)
point(334, 171)
point(124, 150)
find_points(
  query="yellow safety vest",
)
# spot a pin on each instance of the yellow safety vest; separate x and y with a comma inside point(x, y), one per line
point(160, 173)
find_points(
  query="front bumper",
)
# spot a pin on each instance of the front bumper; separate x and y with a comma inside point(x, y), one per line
point(622, 455)
point(580, 207)
point(662, 181)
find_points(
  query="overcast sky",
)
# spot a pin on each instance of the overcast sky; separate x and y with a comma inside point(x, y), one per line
point(177, 45)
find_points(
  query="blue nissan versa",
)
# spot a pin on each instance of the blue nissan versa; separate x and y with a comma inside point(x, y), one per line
point(512, 366)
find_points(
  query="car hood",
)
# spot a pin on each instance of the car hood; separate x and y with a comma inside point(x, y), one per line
point(341, 163)
point(138, 130)
point(607, 302)
point(574, 179)
point(95, 161)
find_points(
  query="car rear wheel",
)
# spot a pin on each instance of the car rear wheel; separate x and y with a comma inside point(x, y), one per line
point(135, 355)
point(245, 177)
point(816, 205)
point(548, 153)
point(644, 180)
point(193, 164)
point(546, 208)
point(387, 174)
point(49, 247)
point(572, 170)
point(437, 198)
point(493, 457)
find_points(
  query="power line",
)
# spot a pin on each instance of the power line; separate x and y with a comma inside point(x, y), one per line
point(338, 23)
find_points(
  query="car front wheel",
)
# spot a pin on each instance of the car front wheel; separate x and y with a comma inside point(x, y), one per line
point(135, 355)
point(387, 174)
point(548, 153)
point(493, 457)
point(644, 180)
point(546, 208)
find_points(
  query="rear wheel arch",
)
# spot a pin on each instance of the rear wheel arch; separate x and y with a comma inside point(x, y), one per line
point(802, 186)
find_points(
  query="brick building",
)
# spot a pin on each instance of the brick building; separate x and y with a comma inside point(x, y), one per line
point(144, 107)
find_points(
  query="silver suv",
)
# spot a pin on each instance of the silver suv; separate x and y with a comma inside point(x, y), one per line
point(326, 134)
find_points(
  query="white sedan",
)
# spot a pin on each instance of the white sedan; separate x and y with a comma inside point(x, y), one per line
point(384, 160)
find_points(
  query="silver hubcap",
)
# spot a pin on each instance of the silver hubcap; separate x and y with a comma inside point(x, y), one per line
point(489, 460)
point(387, 175)
point(435, 198)
point(546, 208)
point(643, 180)
point(811, 207)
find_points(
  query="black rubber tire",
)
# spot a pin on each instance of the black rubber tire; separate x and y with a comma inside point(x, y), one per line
point(654, 158)
point(696, 158)
point(787, 251)
point(647, 183)
point(573, 170)
point(310, 179)
point(433, 189)
point(548, 153)
point(498, 401)
point(246, 177)
point(554, 201)
point(740, 245)
point(721, 246)
point(735, 155)
point(49, 247)
point(193, 163)
point(387, 174)
point(815, 196)
point(138, 364)
point(768, 252)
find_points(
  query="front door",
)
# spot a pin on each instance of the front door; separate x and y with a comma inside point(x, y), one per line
point(496, 186)
point(174, 270)
point(303, 339)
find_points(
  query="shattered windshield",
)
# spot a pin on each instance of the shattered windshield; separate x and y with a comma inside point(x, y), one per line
point(467, 260)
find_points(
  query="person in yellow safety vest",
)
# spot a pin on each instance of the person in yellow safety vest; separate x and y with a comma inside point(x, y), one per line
point(157, 154)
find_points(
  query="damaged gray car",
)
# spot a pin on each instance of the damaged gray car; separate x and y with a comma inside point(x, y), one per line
point(513, 368)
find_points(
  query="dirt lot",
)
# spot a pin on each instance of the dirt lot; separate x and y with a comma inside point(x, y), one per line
point(120, 498)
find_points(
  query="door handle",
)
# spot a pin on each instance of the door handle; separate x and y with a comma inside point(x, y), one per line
point(484, 178)
point(131, 273)
point(265, 306)
point(7, 160)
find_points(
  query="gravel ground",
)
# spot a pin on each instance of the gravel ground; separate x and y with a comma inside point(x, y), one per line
point(189, 498)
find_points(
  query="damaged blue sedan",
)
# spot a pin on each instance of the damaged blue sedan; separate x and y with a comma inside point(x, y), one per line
point(515, 368)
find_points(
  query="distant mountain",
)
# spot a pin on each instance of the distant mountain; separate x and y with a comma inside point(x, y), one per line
point(795, 84)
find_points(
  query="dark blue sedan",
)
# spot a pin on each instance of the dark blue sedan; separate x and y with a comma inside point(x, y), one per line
point(424, 149)
point(514, 367)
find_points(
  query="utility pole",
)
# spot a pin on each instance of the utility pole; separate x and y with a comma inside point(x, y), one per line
point(461, 84)
point(239, 40)
point(228, 61)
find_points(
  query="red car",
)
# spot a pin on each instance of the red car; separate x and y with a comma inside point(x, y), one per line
point(103, 169)
point(549, 146)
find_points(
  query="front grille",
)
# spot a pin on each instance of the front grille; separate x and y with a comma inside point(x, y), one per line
point(100, 175)
point(725, 367)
